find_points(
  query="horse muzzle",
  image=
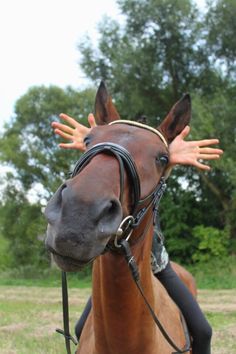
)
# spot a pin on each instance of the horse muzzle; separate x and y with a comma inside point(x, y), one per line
point(78, 231)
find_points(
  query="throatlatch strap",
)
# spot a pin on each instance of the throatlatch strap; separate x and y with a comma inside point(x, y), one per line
point(65, 307)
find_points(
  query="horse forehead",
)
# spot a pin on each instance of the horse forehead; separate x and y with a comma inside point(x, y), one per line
point(131, 137)
point(143, 146)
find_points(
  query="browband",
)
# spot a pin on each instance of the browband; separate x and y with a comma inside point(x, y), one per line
point(140, 125)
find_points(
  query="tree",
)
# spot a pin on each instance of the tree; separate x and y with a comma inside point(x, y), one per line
point(217, 115)
point(23, 226)
point(158, 53)
point(38, 159)
point(37, 166)
point(161, 50)
point(221, 29)
point(151, 60)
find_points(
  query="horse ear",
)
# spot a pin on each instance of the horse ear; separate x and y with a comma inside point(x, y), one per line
point(105, 111)
point(178, 117)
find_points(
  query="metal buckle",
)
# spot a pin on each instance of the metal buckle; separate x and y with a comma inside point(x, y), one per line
point(126, 223)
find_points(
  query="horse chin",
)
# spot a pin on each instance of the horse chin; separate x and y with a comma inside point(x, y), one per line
point(72, 264)
point(71, 259)
point(68, 264)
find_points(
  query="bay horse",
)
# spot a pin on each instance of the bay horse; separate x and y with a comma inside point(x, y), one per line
point(117, 179)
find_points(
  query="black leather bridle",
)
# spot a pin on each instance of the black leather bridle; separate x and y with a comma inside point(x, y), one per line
point(126, 163)
point(139, 209)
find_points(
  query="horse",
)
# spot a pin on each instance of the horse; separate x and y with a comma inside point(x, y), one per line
point(111, 197)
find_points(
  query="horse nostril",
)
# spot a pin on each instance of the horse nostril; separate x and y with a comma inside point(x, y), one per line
point(110, 216)
point(63, 186)
point(53, 208)
point(114, 208)
point(111, 209)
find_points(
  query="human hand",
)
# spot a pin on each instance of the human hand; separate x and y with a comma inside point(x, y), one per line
point(193, 152)
point(76, 132)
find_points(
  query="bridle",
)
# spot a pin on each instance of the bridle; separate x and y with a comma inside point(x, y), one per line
point(126, 163)
point(140, 207)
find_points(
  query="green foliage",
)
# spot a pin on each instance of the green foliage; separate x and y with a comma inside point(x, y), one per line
point(38, 159)
point(217, 273)
point(37, 167)
point(217, 115)
point(33, 275)
point(222, 28)
point(162, 49)
point(177, 220)
point(211, 243)
point(150, 61)
point(5, 260)
point(23, 226)
point(208, 274)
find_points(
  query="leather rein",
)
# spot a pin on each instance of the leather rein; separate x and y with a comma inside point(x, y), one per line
point(140, 207)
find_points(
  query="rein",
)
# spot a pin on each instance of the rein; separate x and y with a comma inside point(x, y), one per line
point(135, 275)
point(139, 209)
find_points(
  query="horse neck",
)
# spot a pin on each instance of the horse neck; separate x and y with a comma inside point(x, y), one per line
point(119, 313)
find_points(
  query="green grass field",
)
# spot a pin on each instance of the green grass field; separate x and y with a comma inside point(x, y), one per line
point(30, 314)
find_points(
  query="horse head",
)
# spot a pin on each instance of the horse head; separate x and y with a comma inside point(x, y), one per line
point(86, 211)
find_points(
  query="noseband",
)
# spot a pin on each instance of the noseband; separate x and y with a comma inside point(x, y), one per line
point(126, 163)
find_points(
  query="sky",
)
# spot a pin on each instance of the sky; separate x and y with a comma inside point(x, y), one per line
point(39, 40)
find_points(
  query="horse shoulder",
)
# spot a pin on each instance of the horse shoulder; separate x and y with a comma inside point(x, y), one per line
point(169, 315)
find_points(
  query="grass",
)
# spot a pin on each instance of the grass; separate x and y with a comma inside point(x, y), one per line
point(75, 282)
point(216, 274)
point(219, 307)
point(210, 275)
point(49, 277)
point(30, 306)
point(29, 316)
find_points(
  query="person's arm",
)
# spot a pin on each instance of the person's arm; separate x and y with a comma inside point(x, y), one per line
point(74, 131)
point(192, 152)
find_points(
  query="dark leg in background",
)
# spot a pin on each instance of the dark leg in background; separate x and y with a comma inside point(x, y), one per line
point(198, 326)
point(80, 324)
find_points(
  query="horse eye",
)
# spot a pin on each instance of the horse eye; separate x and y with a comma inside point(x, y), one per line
point(86, 141)
point(164, 159)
